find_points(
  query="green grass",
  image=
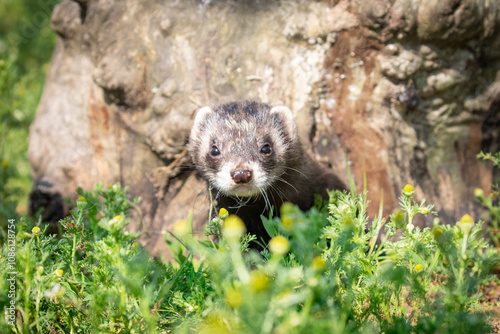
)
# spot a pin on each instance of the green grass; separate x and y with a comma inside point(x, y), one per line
point(26, 44)
point(325, 271)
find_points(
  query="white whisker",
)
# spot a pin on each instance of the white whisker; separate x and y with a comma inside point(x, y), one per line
point(266, 200)
point(286, 182)
point(295, 170)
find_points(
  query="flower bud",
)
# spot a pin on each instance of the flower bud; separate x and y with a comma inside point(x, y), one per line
point(234, 298)
point(286, 208)
point(39, 270)
point(399, 218)
point(318, 263)
point(287, 222)
point(279, 245)
point(115, 221)
point(233, 227)
point(437, 232)
point(408, 191)
point(59, 273)
point(466, 224)
point(81, 203)
point(258, 281)
point(424, 211)
point(223, 213)
point(181, 228)
point(478, 192)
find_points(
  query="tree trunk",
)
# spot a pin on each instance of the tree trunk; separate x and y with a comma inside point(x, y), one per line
point(409, 90)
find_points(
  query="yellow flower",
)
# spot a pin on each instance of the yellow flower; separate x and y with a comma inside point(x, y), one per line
point(424, 211)
point(39, 270)
point(181, 228)
point(35, 230)
point(318, 263)
point(408, 190)
point(467, 219)
point(81, 202)
point(258, 281)
point(5, 163)
point(437, 231)
point(135, 244)
point(233, 227)
point(279, 245)
point(287, 222)
point(478, 192)
point(117, 219)
point(217, 322)
point(313, 281)
point(466, 223)
point(234, 298)
point(223, 213)
point(419, 267)
point(286, 208)
point(59, 273)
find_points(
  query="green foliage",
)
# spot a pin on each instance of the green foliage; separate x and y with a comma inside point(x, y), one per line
point(491, 202)
point(7, 203)
point(96, 278)
point(325, 270)
point(26, 43)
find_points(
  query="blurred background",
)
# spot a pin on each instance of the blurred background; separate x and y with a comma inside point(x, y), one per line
point(26, 45)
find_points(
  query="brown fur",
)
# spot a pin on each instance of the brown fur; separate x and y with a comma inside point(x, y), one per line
point(239, 131)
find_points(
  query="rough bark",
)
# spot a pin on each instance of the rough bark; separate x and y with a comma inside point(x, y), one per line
point(409, 89)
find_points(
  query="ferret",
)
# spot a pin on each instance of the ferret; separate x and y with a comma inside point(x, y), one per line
point(251, 157)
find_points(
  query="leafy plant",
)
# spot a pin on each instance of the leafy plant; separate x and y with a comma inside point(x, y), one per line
point(491, 201)
point(7, 202)
point(326, 270)
point(96, 278)
point(26, 44)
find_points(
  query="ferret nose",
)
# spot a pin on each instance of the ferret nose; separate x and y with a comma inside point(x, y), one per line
point(241, 175)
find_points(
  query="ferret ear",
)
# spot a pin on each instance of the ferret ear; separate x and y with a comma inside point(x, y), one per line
point(287, 116)
point(201, 115)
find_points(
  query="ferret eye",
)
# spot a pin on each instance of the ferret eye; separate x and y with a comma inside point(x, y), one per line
point(266, 149)
point(214, 151)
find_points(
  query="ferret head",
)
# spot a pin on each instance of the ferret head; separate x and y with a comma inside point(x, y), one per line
point(243, 148)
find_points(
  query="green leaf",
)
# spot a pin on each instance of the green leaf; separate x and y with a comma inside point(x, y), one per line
point(416, 258)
